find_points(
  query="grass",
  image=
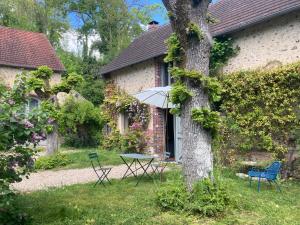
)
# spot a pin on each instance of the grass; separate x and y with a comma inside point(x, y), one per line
point(78, 158)
point(123, 203)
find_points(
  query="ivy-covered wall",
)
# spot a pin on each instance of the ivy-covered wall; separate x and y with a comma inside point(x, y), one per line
point(260, 110)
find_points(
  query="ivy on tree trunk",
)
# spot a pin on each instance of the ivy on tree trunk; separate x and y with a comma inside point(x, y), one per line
point(195, 52)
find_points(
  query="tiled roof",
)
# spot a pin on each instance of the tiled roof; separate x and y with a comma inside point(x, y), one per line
point(233, 15)
point(23, 49)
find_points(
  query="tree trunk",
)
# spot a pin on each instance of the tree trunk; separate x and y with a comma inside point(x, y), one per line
point(196, 145)
point(53, 141)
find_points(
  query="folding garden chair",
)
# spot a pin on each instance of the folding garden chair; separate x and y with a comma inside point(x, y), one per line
point(159, 166)
point(100, 171)
point(270, 174)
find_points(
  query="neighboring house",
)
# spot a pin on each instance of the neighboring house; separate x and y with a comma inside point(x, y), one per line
point(25, 51)
point(267, 32)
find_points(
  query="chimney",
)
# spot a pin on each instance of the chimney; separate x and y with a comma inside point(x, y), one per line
point(153, 25)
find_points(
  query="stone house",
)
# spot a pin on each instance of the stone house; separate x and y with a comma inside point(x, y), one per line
point(266, 31)
point(25, 51)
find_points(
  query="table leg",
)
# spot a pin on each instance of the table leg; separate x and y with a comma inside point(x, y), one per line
point(145, 170)
point(128, 168)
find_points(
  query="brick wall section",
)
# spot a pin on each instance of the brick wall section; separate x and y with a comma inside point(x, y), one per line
point(158, 115)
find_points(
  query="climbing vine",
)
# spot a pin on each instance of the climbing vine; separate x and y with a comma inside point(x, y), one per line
point(221, 51)
point(194, 31)
point(261, 109)
point(135, 139)
point(118, 101)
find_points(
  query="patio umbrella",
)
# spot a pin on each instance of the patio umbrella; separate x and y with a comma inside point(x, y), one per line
point(158, 96)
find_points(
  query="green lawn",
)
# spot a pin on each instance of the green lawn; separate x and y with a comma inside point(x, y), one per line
point(123, 203)
point(78, 158)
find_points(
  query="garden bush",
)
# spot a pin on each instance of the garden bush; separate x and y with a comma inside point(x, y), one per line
point(52, 161)
point(80, 123)
point(10, 213)
point(208, 197)
point(173, 196)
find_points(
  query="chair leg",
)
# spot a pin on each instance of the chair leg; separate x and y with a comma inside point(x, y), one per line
point(258, 186)
point(277, 186)
point(250, 181)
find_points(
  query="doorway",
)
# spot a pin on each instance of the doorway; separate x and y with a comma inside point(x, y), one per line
point(170, 141)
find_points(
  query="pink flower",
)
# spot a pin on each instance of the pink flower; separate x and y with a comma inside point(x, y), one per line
point(28, 125)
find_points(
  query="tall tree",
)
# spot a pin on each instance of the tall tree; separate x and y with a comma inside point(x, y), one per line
point(45, 16)
point(186, 15)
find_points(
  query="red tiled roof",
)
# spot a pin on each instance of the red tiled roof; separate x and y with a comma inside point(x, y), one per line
point(23, 49)
point(233, 15)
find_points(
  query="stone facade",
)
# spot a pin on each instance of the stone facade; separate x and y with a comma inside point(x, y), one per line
point(140, 77)
point(135, 78)
point(8, 75)
point(269, 44)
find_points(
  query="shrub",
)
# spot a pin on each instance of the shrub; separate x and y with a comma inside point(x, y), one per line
point(113, 141)
point(80, 123)
point(173, 196)
point(135, 140)
point(52, 161)
point(10, 214)
point(209, 198)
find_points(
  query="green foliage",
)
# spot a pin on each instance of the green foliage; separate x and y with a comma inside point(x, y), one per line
point(209, 198)
point(80, 122)
point(52, 161)
point(71, 62)
point(11, 213)
point(135, 140)
point(47, 16)
point(179, 93)
point(213, 88)
point(178, 74)
point(35, 83)
point(194, 31)
point(20, 133)
point(176, 110)
point(261, 108)
point(68, 83)
point(43, 72)
point(208, 119)
point(92, 90)
point(113, 141)
point(221, 52)
point(174, 49)
point(173, 195)
point(210, 84)
point(117, 101)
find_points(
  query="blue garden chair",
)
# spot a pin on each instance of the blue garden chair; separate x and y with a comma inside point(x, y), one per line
point(270, 174)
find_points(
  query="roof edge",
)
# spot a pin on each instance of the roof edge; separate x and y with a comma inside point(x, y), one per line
point(221, 33)
point(29, 67)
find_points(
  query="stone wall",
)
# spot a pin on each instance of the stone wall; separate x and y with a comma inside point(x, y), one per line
point(8, 75)
point(135, 78)
point(272, 43)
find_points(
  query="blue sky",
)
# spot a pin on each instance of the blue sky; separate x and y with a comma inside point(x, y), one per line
point(159, 16)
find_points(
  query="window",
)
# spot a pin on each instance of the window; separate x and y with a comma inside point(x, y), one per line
point(32, 104)
point(164, 75)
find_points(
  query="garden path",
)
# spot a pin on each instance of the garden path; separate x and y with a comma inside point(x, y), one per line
point(46, 179)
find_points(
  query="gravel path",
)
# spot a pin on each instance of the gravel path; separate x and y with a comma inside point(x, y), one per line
point(45, 179)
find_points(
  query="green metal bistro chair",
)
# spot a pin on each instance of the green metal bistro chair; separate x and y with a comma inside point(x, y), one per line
point(100, 171)
point(159, 166)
